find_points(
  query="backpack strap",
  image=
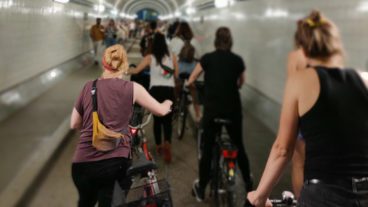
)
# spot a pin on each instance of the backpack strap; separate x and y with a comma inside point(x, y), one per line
point(94, 95)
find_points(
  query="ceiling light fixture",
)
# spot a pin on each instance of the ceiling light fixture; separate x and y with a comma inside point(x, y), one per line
point(62, 1)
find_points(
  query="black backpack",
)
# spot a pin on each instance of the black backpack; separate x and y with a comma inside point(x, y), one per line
point(187, 52)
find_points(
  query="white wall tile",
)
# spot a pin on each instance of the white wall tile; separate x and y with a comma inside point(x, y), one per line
point(264, 42)
point(34, 39)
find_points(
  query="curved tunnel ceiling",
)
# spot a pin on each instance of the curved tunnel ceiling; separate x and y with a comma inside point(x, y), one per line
point(161, 6)
point(156, 5)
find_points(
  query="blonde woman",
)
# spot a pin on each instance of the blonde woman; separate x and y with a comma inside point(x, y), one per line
point(95, 172)
point(329, 104)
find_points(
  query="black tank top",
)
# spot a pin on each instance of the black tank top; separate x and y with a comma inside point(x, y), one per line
point(336, 127)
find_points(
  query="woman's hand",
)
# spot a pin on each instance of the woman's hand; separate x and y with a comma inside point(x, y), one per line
point(256, 201)
point(167, 106)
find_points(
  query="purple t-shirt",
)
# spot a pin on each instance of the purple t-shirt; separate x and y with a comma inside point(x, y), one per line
point(114, 102)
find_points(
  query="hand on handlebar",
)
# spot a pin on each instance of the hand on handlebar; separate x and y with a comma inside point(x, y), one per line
point(167, 106)
point(255, 201)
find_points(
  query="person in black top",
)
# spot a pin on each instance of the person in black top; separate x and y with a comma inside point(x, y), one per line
point(330, 105)
point(223, 76)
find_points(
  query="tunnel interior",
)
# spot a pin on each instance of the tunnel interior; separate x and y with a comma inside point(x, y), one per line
point(46, 57)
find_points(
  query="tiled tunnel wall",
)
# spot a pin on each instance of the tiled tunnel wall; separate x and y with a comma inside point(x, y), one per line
point(263, 35)
point(36, 35)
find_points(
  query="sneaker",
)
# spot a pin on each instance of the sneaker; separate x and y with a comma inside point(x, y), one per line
point(167, 152)
point(197, 191)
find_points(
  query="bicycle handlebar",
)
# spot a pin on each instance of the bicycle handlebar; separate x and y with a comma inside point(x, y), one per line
point(142, 125)
point(287, 199)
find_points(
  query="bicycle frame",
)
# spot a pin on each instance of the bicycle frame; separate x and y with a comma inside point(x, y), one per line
point(224, 167)
point(151, 186)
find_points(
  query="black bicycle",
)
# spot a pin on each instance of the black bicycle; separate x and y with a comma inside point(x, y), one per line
point(182, 106)
point(223, 167)
point(287, 200)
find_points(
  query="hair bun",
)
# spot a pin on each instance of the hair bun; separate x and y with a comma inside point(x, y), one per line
point(115, 58)
point(315, 16)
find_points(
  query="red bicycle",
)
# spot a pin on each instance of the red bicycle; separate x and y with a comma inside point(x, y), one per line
point(147, 190)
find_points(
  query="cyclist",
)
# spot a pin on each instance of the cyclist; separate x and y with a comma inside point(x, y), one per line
point(330, 104)
point(95, 172)
point(163, 68)
point(182, 45)
point(223, 76)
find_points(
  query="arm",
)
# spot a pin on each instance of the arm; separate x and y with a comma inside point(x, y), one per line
point(75, 120)
point(194, 75)
point(297, 167)
point(176, 66)
point(142, 65)
point(283, 147)
point(143, 98)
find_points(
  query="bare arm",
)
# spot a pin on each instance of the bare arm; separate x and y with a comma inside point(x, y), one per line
point(283, 147)
point(297, 167)
point(143, 98)
point(194, 75)
point(75, 120)
point(142, 65)
point(176, 66)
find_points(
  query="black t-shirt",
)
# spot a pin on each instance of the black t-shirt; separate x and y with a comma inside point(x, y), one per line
point(222, 70)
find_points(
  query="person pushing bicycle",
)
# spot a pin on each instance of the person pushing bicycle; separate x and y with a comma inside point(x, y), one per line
point(223, 76)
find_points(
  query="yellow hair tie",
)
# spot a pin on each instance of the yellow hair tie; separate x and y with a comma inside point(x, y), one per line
point(310, 22)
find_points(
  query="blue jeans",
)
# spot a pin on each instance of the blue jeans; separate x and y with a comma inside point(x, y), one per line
point(326, 195)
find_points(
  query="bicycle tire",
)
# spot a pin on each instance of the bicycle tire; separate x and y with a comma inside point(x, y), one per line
point(182, 115)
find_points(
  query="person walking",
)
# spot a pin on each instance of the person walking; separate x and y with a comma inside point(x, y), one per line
point(94, 171)
point(224, 74)
point(97, 36)
point(163, 70)
point(329, 104)
point(111, 34)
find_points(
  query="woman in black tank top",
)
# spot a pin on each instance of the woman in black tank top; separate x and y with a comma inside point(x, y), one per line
point(330, 106)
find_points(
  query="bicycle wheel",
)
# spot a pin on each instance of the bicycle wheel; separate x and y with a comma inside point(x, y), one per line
point(182, 115)
point(224, 188)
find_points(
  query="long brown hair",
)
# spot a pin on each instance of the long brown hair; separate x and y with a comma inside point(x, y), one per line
point(184, 31)
point(318, 37)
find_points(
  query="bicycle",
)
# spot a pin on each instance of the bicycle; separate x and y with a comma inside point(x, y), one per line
point(148, 190)
point(287, 200)
point(182, 106)
point(223, 167)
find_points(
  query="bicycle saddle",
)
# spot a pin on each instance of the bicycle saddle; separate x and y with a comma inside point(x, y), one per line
point(141, 165)
point(222, 121)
